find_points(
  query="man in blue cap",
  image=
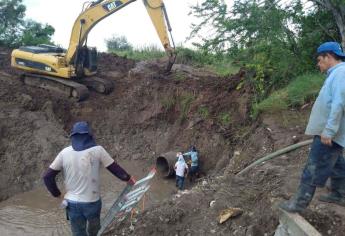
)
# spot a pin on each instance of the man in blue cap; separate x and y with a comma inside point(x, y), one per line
point(327, 125)
point(80, 163)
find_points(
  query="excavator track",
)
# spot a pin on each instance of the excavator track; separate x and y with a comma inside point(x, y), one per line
point(66, 87)
point(97, 84)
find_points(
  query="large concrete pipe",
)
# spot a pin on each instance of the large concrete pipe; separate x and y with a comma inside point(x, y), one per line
point(165, 163)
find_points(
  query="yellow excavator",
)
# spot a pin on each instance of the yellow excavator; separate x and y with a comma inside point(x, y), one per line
point(73, 71)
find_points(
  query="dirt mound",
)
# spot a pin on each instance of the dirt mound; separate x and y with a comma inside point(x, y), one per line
point(112, 62)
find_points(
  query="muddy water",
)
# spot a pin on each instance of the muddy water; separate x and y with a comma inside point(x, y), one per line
point(37, 213)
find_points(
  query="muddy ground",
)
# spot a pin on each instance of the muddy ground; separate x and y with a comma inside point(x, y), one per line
point(150, 113)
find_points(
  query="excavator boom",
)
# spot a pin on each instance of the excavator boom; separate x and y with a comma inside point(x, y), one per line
point(99, 10)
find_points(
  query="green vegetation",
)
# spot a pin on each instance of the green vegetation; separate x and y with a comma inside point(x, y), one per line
point(279, 53)
point(220, 64)
point(185, 100)
point(168, 103)
point(224, 67)
point(224, 118)
point(300, 91)
point(276, 50)
point(15, 31)
point(120, 46)
point(179, 76)
point(203, 112)
point(144, 53)
point(118, 43)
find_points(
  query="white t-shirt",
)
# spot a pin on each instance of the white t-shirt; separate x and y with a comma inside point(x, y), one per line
point(180, 168)
point(81, 172)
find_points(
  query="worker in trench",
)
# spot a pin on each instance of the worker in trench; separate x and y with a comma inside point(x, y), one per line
point(327, 125)
point(80, 164)
point(181, 170)
point(194, 163)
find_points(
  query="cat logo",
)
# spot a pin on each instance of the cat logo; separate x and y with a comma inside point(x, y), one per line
point(112, 5)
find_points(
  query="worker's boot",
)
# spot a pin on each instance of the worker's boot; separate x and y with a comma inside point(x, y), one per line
point(301, 199)
point(337, 195)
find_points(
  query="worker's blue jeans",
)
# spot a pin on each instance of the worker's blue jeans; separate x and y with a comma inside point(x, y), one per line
point(179, 182)
point(323, 162)
point(84, 217)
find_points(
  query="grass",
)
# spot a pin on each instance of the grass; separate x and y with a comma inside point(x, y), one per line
point(224, 118)
point(300, 91)
point(224, 67)
point(179, 76)
point(168, 103)
point(203, 112)
point(220, 64)
point(185, 102)
point(144, 53)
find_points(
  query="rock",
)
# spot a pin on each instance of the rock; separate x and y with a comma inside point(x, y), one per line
point(136, 156)
point(27, 102)
point(212, 203)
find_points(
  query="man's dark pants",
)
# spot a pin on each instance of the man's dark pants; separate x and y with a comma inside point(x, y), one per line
point(324, 162)
point(84, 217)
point(179, 182)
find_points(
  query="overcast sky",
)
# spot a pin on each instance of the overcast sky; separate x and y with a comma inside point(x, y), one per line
point(131, 21)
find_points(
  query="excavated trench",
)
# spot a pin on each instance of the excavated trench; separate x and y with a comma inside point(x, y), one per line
point(148, 114)
point(148, 117)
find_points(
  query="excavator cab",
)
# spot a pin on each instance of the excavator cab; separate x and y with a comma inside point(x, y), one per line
point(86, 63)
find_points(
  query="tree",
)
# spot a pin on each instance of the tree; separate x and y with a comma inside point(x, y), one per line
point(264, 36)
point(337, 8)
point(118, 43)
point(15, 31)
point(12, 13)
point(35, 33)
point(275, 39)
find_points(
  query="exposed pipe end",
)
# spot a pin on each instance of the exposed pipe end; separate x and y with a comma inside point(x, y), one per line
point(163, 167)
point(165, 164)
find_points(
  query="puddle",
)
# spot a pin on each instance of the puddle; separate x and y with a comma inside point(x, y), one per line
point(37, 213)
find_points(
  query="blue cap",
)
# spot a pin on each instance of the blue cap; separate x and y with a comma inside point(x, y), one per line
point(80, 128)
point(331, 47)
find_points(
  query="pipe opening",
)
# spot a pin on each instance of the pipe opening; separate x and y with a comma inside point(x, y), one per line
point(162, 166)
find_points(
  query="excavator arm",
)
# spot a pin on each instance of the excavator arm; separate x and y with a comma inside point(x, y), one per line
point(98, 10)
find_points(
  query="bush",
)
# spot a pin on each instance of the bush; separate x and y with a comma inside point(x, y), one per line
point(301, 90)
point(144, 53)
point(118, 43)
